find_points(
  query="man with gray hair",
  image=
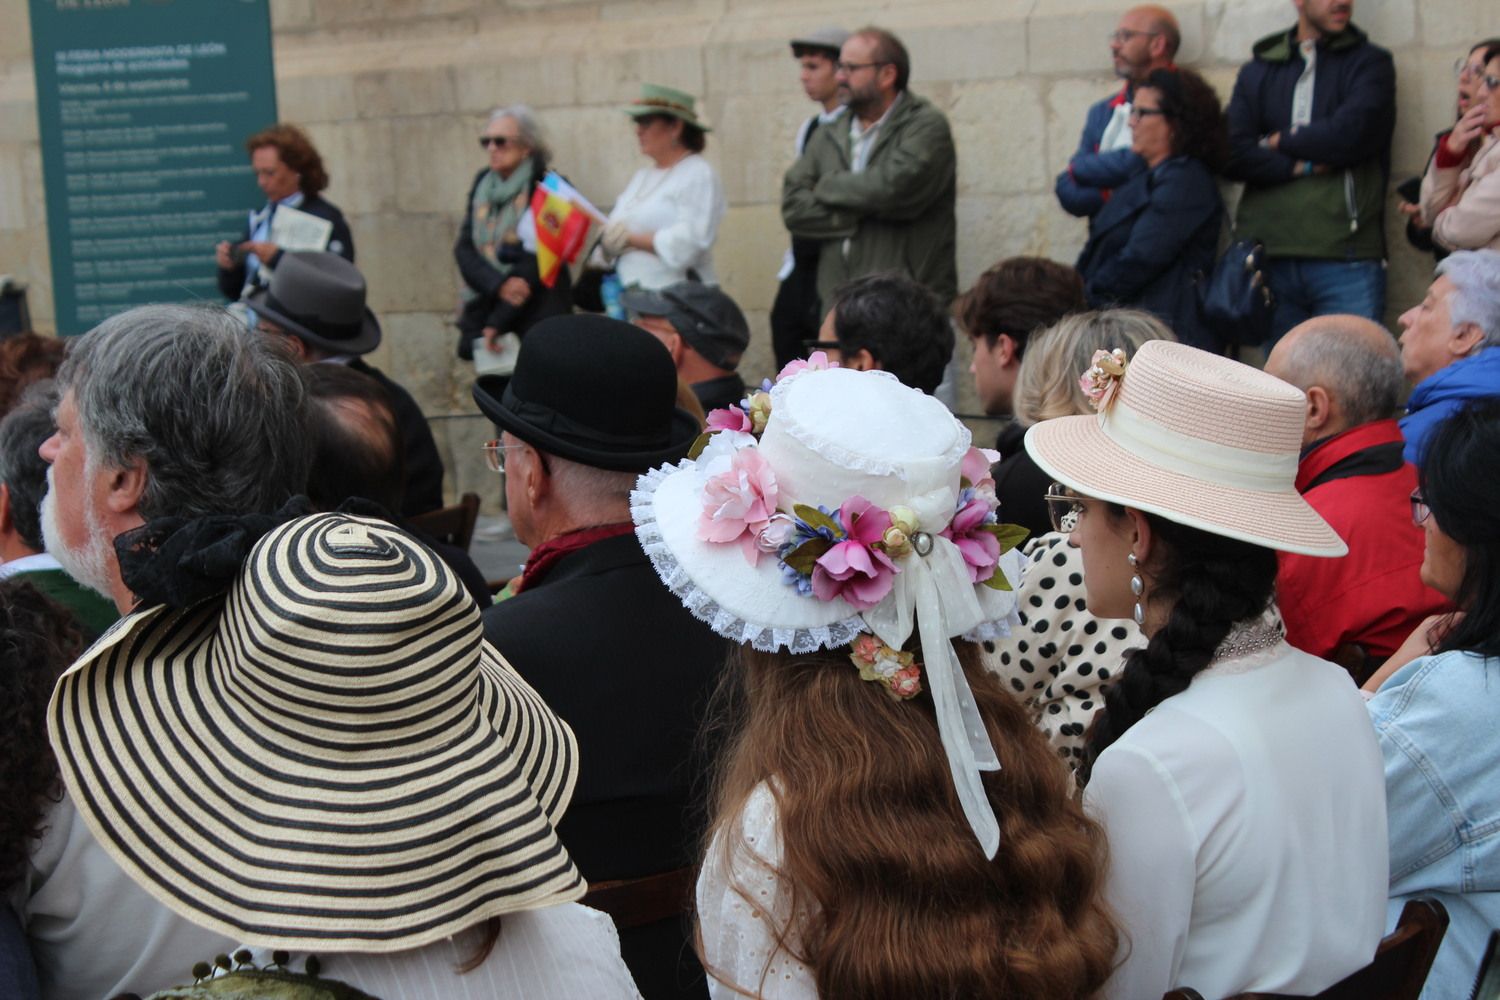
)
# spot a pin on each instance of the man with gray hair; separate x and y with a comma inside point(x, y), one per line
point(1449, 344)
point(166, 412)
point(23, 483)
point(1359, 609)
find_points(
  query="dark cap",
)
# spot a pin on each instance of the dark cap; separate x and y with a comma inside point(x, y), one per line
point(702, 314)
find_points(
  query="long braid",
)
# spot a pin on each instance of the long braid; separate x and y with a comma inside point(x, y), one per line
point(1213, 582)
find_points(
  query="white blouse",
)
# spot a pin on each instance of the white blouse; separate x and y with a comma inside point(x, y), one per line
point(682, 205)
point(556, 953)
point(741, 907)
point(1247, 832)
point(95, 933)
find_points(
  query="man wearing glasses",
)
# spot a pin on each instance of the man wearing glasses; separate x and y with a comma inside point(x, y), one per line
point(590, 407)
point(878, 195)
point(1145, 40)
point(1310, 128)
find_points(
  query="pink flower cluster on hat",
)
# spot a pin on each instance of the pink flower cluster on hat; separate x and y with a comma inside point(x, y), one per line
point(849, 552)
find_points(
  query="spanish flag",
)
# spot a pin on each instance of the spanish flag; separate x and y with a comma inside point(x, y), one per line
point(561, 229)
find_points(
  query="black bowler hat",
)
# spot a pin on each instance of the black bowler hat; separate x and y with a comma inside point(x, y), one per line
point(320, 297)
point(592, 390)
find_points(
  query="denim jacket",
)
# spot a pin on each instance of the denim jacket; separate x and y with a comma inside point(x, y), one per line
point(1435, 721)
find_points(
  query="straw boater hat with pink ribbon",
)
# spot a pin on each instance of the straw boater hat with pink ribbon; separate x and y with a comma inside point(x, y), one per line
point(1195, 438)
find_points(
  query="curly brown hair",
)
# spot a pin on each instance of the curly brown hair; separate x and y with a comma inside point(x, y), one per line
point(899, 900)
point(296, 151)
point(1192, 108)
point(38, 639)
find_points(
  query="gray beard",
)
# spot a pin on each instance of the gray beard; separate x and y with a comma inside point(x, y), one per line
point(88, 565)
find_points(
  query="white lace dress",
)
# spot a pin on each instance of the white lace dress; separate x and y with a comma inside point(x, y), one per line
point(741, 907)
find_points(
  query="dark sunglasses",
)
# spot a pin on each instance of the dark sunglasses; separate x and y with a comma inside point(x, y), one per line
point(498, 141)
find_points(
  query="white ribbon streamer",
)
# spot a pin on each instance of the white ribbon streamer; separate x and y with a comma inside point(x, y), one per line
point(936, 589)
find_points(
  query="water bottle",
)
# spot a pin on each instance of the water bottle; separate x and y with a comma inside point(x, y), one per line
point(610, 290)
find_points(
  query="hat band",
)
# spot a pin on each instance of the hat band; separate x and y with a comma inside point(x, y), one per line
point(660, 102)
point(1174, 451)
point(545, 418)
point(316, 324)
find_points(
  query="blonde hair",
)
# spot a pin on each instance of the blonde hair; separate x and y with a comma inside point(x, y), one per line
point(1047, 385)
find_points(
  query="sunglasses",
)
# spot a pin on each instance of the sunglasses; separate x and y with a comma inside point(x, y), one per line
point(1063, 508)
point(498, 141)
point(1136, 114)
point(1420, 512)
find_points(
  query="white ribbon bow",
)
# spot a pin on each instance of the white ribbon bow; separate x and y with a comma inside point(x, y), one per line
point(935, 590)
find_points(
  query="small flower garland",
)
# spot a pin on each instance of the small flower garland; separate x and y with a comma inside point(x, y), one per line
point(848, 552)
point(1101, 381)
point(897, 671)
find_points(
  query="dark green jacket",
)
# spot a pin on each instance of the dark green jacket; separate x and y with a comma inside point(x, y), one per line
point(896, 215)
point(93, 612)
point(1333, 215)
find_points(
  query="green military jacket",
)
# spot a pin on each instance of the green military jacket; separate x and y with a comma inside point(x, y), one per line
point(895, 215)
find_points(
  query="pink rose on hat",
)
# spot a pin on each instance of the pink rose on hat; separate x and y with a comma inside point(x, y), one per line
point(739, 502)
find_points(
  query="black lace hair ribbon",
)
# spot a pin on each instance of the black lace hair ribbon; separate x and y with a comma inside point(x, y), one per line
point(179, 561)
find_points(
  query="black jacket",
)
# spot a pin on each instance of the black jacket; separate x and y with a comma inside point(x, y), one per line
point(619, 658)
point(341, 242)
point(1152, 240)
point(487, 308)
point(419, 453)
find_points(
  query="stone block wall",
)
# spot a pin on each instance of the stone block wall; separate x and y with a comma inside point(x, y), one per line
point(394, 92)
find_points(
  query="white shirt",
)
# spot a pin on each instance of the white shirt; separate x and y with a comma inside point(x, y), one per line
point(95, 933)
point(561, 952)
point(1247, 832)
point(862, 138)
point(741, 905)
point(28, 564)
point(682, 205)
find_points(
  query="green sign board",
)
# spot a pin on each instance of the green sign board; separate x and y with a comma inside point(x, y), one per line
point(144, 108)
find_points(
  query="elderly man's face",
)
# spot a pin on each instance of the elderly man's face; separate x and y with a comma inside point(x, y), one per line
point(72, 512)
point(1428, 341)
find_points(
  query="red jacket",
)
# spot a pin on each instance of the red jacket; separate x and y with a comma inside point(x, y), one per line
point(1374, 596)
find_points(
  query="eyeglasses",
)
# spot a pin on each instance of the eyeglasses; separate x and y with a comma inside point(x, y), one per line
point(1124, 35)
point(1466, 68)
point(849, 69)
point(1063, 508)
point(494, 454)
point(1136, 114)
point(1420, 512)
point(1490, 82)
point(498, 141)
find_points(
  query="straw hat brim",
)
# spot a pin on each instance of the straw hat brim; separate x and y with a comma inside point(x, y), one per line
point(1077, 453)
point(222, 819)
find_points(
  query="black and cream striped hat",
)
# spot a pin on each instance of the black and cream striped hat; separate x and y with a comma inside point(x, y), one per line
point(328, 757)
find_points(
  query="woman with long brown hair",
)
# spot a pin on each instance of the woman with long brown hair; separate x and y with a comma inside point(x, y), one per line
point(886, 821)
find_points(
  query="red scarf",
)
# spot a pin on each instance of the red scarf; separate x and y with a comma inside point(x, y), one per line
point(547, 554)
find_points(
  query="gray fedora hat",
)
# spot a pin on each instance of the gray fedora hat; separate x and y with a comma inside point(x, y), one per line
point(320, 297)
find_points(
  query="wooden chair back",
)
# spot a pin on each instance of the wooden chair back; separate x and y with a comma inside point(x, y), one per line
point(1400, 967)
point(454, 524)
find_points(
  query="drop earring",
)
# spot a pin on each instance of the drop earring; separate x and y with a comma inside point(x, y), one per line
point(1137, 587)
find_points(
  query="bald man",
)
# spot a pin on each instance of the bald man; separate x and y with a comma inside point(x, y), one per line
point(1145, 40)
point(1358, 609)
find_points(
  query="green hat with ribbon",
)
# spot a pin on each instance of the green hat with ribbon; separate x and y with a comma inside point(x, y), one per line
point(658, 100)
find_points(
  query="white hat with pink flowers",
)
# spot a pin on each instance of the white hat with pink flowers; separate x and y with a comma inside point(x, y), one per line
point(838, 505)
